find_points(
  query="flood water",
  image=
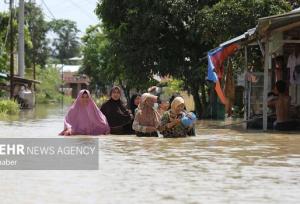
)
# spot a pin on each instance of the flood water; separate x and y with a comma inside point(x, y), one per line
point(216, 166)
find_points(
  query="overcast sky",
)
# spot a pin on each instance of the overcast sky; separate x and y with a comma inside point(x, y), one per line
point(80, 11)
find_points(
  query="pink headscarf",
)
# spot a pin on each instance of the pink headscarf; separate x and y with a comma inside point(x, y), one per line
point(85, 120)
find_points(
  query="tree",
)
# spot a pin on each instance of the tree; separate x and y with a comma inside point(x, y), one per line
point(173, 37)
point(66, 45)
point(157, 37)
point(3, 47)
point(102, 65)
point(94, 61)
point(229, 18)
point(34, 34)
point(38, 52)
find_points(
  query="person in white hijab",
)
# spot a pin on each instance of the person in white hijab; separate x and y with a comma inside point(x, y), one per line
point(171, 122)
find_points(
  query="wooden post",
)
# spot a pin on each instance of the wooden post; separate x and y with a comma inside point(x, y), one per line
point(266, 82)
point(246, 90)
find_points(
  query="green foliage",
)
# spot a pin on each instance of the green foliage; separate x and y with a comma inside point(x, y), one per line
point(95, 59)
point(173, 86)
point(160, 37)
point(47, 91)
point(101, 100)
point(103, 66)
point(3, 60)
point(38, 51)
point(229, 18)
point(67, 99)
point(8, 107)
point(3, 47)
point(36, 44)
point(169, 37)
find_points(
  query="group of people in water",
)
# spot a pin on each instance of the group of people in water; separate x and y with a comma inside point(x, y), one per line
point(144, 117)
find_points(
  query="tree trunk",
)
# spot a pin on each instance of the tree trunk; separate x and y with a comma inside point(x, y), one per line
point(34, 74)
point(127, 95)
point(203, 96)
point(197, 101)
point(126, 92)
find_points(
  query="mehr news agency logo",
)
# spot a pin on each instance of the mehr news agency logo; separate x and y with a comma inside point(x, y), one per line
point(8, 150)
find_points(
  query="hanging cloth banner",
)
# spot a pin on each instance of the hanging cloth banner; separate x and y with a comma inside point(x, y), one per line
point(215, 69)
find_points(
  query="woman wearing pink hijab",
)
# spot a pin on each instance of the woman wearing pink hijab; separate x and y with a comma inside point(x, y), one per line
point(84, 117)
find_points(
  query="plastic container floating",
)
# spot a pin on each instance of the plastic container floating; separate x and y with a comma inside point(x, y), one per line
point(188, 119)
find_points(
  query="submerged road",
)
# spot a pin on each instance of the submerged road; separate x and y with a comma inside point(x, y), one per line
point(216, 166)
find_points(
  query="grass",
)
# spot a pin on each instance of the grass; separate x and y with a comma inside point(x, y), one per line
point(8, 107)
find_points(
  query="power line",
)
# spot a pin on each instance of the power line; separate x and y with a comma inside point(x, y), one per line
point(84, 11)
point(52, 17)
point(50, 12)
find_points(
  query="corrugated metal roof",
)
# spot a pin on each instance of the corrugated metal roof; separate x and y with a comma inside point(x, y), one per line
point(19, 79)
point(266, 24)
point(3, 75)
point(296, 10)
point(240, 38)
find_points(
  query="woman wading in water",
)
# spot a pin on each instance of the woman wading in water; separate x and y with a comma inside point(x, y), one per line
point(84, 117)
point(118, 116)
point(176, 122)
point(147, 119)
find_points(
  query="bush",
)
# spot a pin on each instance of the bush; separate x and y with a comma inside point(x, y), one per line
point(101, 100)
point(8, 107)
point(47, 91)
point(67, 100)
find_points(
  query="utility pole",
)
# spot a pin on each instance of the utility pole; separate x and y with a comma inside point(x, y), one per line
point(11, 50)
point(21, 39)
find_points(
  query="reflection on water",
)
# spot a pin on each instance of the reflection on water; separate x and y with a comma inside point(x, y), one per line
point(216, 166)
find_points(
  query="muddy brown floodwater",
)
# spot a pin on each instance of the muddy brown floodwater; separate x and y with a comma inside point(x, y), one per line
point(216, 166)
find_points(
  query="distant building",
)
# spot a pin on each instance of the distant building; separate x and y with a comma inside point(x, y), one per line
point(73, 82)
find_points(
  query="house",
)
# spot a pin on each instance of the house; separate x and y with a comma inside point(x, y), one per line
point(275, 36)
point(74, 82)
